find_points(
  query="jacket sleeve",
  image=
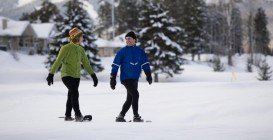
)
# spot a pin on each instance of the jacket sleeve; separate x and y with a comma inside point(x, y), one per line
point(58, 60)
point(116, 63)
point(86, 63)
point(145, 65)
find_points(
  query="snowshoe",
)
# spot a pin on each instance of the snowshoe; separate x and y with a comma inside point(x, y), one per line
point(87, 118)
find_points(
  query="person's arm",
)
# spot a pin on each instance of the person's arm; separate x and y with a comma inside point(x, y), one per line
point(86, 63)
point(87, 67)
point(115, 66)
point(55, 66)
point(145, 65)
point(116, 63)
point(58, 60)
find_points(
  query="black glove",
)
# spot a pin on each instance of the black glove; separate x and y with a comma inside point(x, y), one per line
point(149, 77)
point(95, 79)
point(113, 81)
point(50, 79)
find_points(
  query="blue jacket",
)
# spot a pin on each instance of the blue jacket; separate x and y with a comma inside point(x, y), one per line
point(130, 59)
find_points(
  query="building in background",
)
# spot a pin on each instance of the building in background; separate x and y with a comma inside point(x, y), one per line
point(43, 32)
point(108, 48)
point(24, 36)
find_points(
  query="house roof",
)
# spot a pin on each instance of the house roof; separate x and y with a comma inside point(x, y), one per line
point(43, 30)
point(14, 28)
point(109, 43)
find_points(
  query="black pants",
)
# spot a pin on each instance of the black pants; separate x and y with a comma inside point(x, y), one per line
point(73, 95)
point(132, 97)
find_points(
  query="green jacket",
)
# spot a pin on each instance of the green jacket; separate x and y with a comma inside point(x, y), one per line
point(71, 56)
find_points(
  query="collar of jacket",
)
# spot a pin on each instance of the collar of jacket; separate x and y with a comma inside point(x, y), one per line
point(131, 46)
point(75, 43)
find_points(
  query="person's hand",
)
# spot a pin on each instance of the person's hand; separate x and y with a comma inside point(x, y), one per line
point(113, 82)
point(95, 79)
point(149, 77)
point(49, 79)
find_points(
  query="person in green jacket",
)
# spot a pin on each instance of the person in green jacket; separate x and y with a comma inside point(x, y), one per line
point(71, 56)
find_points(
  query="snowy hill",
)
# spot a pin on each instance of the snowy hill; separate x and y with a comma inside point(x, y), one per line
point(199, 104)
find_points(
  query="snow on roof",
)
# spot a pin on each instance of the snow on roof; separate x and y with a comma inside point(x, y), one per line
point(120, 37)
point(111, 43)
point(43, 30)
point(14, 28)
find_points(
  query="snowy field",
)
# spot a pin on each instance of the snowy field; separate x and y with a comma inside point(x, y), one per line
point(197, 105)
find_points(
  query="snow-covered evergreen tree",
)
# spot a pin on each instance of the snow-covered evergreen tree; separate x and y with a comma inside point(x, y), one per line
point(264, 71)
point(218, 66)
point(105, 16)
point(193, 23)
point(48, 12)
point(127, 15)
point(175, 8)
point(158, 35)
point(76, 16)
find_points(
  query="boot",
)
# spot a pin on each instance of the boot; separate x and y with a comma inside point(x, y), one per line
point(138, 119)
point(120, 118)
point(68, 118)
point(79, 118)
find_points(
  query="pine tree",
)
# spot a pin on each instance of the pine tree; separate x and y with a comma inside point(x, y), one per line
point(261, 33)
point(264, 71)
point(218, 66)
point(127, 15)
point(48, 12)
point(193, 22)
point(175, 8)
point(105, 16)
point(31, 17)
point(76, 16)
point(158, 34)
point(25, 16)
point(236, 31)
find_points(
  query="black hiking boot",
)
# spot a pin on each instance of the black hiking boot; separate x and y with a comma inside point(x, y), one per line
point(138, 119)
point(120, 118)
point(68, 118)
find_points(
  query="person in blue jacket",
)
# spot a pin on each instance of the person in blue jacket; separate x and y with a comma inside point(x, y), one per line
point(130, 59)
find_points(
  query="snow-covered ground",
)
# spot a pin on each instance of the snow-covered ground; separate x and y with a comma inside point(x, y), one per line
point(199, 104)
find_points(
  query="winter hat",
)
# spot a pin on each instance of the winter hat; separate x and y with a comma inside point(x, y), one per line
point(74, 32)
point(131, 34)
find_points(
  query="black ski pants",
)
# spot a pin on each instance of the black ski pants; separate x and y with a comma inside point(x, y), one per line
point(72, 85)
point(132, 97)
